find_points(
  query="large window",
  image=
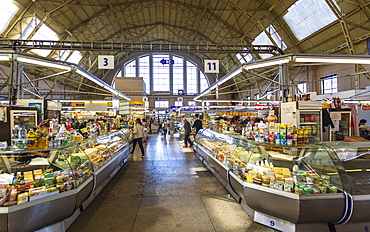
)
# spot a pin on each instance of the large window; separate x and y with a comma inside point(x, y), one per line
point(178, 75)
point(144, 71)
point(305, 17)
point(161, 104)
point(329, 84)
point(167, 73)
point(7, 12)
point(43, 33)
point(161, 73)
point(263, 39)
point(191, 73)
point(302, 87)
point(130, 69)
point(203, 82)
point(244, 57)
point(178, 103)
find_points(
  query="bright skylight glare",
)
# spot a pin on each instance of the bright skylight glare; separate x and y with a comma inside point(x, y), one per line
point(75, 57)
point(244, 57)
point(276, 37)
point(262, 39)
point(43, 33)
point(305, 17)
point(7, 12)
point(63, 54)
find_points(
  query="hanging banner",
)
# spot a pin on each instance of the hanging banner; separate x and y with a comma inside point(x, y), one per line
point(365, 107)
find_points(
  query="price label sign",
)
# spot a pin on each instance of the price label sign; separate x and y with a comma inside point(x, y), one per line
point(105, 62)
point(211, 66)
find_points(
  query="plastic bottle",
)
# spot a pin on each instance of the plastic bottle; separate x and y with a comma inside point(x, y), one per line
point(44, 138)
point(15, 134)
point(38, 139)
point(22, 139)
point(31, 138)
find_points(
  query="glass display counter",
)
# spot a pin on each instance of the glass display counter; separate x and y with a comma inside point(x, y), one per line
point(299, 186)
point(52, 184)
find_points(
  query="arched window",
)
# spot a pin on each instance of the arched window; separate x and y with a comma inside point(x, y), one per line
point(167, 73)
point(161, 73)
point(144, 71)
point(178, 75)
point(204, 84)
point(130, 69)
point(191, 78)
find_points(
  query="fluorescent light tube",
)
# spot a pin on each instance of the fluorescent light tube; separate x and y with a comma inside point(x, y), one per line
point(4, 58)
point(43, 63)
point(332, 60)
point(266, 64)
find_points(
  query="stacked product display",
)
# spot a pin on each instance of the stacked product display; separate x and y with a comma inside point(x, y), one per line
point(297, 187)
point(74, 171)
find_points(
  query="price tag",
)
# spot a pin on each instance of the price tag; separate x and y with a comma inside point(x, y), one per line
point(211, 66)
point(105, 62)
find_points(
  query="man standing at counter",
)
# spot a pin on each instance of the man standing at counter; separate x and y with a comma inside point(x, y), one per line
point(197, 123)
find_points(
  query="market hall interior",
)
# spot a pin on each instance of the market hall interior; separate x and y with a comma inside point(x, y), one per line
point(168, 190)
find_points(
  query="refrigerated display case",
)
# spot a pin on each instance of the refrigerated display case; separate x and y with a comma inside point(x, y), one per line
point(342, 125)
point(307, 114)
point(58, 181)
point(293, 188)
point(21, 116)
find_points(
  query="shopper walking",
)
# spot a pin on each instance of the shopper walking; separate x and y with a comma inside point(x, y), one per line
point(139, 136)
point(197, 123)
point(187, 133)
point(171, 127)
point(165, 127)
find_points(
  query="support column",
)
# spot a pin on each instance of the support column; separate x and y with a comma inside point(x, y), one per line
point(15, 78)
point(286, 88)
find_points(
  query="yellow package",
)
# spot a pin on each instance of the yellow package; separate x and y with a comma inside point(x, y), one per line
point(22, 198)
point(28, 176)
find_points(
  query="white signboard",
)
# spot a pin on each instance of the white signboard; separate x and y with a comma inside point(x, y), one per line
point(211, 66)
point(105, 62)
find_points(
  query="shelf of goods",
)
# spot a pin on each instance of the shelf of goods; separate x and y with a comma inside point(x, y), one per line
point(52, 186)
point(316, 187)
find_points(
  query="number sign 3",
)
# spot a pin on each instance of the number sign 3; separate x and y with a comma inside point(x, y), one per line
point(105, 62)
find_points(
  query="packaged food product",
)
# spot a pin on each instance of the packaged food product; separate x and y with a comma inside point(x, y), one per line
point(22, 198)
point(28, 177)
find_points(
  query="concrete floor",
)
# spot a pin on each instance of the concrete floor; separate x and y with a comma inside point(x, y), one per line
point(169, 190)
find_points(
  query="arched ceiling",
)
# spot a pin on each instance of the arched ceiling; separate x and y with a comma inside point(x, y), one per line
point(193, 22)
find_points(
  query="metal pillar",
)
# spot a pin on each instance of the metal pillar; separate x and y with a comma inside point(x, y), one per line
point(286, 88)
point(15, 78)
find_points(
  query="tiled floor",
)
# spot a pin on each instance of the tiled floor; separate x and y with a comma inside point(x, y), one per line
point(169, 190)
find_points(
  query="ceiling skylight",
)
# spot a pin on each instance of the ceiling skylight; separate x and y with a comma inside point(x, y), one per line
point(305, 17)
point(7, 12)
point(43, 33)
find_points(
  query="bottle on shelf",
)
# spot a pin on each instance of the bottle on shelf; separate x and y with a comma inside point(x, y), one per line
point(15, 134)
point(31, 138)
point(38, 142)
point(22, 139)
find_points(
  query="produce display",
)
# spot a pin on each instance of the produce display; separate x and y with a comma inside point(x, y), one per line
point(31, 175)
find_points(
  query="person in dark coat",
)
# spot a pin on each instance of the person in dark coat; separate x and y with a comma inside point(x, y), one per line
point(197, 123)
point(187, 133)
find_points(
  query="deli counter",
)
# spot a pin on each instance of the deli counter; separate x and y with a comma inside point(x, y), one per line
point(57, 183)
point(315, 187)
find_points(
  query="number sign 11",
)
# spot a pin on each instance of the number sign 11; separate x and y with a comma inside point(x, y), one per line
point(211, 66)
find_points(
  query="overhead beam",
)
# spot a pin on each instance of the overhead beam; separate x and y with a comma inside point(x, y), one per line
point(131, 47)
